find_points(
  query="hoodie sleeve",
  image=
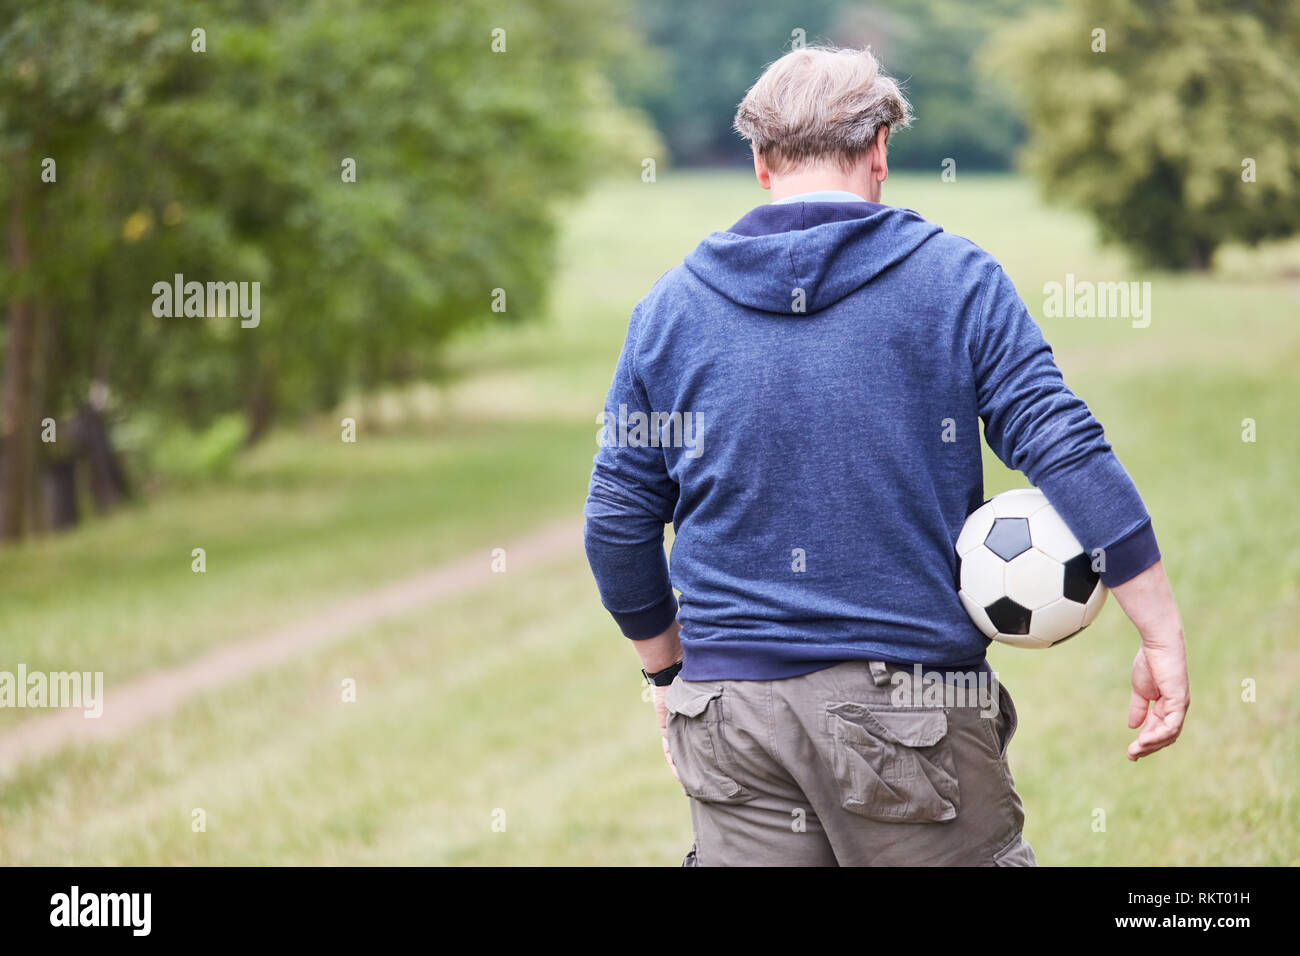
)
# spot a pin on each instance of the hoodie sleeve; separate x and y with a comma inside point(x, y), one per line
point(1036, 425)
point(630, 499)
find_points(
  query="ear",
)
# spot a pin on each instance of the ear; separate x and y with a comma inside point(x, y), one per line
point(879, 162)
point(760, 170)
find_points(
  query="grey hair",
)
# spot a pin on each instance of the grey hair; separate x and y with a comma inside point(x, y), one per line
point(820, 103)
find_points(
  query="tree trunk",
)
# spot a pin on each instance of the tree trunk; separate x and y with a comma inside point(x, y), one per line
point(20, 354)
point(37, 516)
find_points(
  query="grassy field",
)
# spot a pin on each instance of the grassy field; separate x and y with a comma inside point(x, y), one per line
point(519, 704)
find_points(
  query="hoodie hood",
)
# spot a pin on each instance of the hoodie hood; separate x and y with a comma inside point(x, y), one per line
point(827, 249)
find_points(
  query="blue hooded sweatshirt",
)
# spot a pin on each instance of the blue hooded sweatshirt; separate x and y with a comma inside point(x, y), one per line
point(800, 398)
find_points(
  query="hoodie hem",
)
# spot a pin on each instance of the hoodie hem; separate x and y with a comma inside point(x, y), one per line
point(748, 660)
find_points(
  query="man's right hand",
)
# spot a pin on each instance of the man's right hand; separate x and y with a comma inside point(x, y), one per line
point(661, 712)
point(657, 653)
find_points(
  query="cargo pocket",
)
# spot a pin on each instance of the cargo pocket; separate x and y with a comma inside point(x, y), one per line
point(893, 764)
point(698, 743)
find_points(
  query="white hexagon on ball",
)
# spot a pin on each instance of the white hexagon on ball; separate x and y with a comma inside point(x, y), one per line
point(981, 576)
point(1050, 535)
point(1027, 641)
point(976, 529)
point(1018, 503)
point(1056, 621)
point(1034, 580)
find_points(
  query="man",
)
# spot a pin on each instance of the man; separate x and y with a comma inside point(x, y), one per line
point(799, 398)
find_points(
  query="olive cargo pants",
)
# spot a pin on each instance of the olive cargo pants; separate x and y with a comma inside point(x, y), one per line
point(858, 764)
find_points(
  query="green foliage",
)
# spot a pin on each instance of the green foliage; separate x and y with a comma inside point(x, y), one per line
point(226, 165)
point(706, 56)
point(932, 46)
point(178, 454)
point(1151, 135)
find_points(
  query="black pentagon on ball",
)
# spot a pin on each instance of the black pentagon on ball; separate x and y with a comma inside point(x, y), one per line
point(1008, 537)
point(1008, 616)
point(1080, 579)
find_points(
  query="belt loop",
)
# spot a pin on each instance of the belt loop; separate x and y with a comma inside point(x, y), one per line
point(878, 673)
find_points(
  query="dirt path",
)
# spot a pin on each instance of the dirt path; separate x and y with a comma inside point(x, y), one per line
point(152, 695)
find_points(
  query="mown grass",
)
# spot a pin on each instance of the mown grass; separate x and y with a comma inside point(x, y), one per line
point(520, 703)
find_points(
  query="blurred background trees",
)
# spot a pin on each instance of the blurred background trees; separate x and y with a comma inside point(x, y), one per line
point(1176, 126)
point(703, 57)
point(135, 149)
point(933, 46)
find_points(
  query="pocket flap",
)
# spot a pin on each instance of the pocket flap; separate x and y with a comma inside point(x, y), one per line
point(911, 728)
point(689, 700)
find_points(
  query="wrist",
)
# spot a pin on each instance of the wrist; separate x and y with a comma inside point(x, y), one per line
point(1164, 637)
point(662, 650)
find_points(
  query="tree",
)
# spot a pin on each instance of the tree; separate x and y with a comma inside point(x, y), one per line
point(706, 56)
point(1174, 124)
point(227, 156)
point(931, 46)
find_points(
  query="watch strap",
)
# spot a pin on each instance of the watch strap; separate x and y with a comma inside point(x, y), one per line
point(664, 677)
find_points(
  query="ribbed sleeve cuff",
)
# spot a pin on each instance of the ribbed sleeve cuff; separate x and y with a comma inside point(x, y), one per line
point(646, 623)
point(1130, 555)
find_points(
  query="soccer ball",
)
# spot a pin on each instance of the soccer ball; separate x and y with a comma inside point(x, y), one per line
point(1022, 576)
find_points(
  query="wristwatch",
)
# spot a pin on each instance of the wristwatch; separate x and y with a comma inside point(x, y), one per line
point(664, 677)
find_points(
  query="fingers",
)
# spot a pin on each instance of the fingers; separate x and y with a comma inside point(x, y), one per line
point(1137, 710)
point(1159, 731)
point(669, 757)
point(1137, 751)
point(1160, 683)
point(1144, 691)
point(661, 711)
